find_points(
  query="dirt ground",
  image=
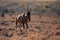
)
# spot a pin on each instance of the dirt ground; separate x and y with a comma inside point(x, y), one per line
point(40, 28)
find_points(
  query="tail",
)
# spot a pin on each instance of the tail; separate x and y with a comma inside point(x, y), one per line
point(16, 22)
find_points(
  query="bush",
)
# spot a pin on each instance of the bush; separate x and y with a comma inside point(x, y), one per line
point(58, 34)
point(2, 15)
point(47, 6)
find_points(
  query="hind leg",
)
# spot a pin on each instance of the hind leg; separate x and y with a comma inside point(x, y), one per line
point(16, 25)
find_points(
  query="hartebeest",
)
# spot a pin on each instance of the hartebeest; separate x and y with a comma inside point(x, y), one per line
point(23, 19)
